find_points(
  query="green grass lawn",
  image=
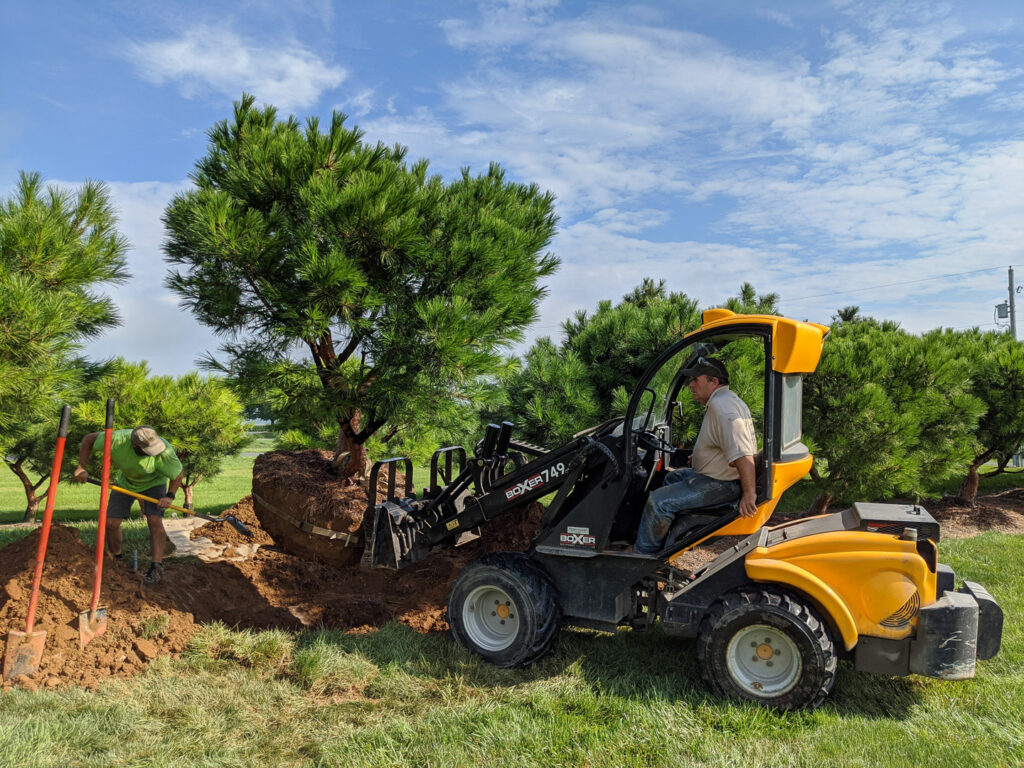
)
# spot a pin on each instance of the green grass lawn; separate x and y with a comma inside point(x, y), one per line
point(397, 698)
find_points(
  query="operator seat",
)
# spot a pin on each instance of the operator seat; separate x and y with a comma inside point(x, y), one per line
point(698, 517)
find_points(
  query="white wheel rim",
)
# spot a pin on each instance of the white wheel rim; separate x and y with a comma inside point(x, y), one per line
point(491, 618)
point(763, 661)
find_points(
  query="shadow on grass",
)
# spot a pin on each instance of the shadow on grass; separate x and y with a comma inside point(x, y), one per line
point(634, 665)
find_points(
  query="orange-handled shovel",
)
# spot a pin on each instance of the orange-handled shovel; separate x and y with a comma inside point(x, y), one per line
point(25, 649)
point(93, 623)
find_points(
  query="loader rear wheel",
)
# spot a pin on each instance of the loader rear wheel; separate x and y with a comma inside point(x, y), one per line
point(768, 646)
point(504, 608)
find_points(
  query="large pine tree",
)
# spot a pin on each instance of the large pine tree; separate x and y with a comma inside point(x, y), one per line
point(56, 248)
point(323, 258)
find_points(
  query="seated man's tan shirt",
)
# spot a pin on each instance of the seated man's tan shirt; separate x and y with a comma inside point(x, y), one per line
point(726, 434)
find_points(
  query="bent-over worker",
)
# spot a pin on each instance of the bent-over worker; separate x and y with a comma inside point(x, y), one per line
point(145, 464)
point(722, 462)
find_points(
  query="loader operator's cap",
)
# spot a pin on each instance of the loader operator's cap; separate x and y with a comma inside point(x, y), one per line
point(708, 366)
point(146, 440)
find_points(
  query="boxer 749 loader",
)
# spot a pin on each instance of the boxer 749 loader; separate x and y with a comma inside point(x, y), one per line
point(772, 615)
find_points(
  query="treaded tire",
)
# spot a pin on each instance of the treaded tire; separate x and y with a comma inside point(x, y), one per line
point(765, 645)
point(530, 619)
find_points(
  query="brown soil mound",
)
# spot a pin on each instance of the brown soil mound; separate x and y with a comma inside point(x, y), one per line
point(225, 533)
point(137, 629)
point(301, 485)
point(351, 598)
point(272, 589)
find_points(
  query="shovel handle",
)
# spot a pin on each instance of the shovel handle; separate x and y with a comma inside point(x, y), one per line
point(237, 524)
point(108, 434)
point(143, 497)
point(44, 532)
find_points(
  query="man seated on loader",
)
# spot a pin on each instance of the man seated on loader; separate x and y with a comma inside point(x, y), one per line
point(721, 466)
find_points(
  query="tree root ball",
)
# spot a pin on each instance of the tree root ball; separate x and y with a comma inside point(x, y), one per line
point(301, 485)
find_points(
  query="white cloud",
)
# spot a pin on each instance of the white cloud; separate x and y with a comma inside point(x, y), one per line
point(859, 160)
point(153, 326)
point(207, 59)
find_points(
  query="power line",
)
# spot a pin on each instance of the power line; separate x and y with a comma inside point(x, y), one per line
point(974, 325)
point(890, 285)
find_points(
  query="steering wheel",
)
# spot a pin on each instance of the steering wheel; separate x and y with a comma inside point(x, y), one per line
point(654, 441)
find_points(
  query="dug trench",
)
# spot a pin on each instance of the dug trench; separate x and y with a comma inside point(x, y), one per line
point(272, 588)
point(323, 585)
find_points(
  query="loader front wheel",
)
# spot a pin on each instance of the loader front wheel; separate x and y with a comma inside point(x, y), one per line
point(768, 646)
point(504, 608)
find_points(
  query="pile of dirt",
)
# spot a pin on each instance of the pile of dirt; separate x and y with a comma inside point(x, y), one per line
point(290, 486)
point(138, 629)
point(225, 533)
point(271, 589)
point(315, 592)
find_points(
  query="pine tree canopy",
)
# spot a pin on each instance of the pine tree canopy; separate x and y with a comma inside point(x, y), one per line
point(56, 249)
point(310, 249)
point(889, 412)
point(558, 390)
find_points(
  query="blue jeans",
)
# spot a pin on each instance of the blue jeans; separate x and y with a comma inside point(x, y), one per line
point(683, 489)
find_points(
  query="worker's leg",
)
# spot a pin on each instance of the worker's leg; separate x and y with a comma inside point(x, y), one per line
point(119, 506)
point(684, 490)
point(157, 537)
point(155, 520)
point(113, 536)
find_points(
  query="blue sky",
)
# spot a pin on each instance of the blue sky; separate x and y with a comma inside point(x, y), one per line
point(814, 149)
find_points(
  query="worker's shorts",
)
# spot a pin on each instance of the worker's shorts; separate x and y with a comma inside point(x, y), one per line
point(120, 504)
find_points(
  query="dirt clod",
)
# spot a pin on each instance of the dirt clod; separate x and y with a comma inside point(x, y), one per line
point(146, 649)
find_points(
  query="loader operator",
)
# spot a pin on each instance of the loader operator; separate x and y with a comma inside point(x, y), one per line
point(722, 462)
point(145, 463)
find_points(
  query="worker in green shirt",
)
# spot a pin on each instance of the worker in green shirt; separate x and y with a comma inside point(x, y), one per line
point(145, 463)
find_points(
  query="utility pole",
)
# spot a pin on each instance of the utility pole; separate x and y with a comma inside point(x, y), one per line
point(1013, 310)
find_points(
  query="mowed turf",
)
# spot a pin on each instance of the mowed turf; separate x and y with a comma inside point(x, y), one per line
point(396, 698)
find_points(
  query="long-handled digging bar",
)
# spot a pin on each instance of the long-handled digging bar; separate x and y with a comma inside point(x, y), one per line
point(237, 524)
point(25, 649)
point(93, 623)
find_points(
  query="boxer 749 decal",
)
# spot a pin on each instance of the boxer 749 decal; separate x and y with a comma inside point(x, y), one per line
point(531, 483)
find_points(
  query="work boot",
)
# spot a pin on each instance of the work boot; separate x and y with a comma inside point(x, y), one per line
point(155, 573)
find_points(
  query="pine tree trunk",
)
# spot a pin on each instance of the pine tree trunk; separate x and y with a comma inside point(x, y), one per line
point(31, 499)
point(189, 494)
point(968, 492)
point(820, 504)
point(350, 460)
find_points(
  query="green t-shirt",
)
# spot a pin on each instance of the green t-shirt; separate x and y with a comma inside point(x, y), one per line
point(138, 473)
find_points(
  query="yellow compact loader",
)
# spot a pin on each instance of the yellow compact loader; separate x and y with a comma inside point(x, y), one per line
point(772, 615)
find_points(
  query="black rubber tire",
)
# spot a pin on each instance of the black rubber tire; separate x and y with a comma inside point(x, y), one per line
point(738, 611)
point(533, 599)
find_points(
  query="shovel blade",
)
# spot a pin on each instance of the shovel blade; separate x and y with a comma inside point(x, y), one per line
point(23, 653)
point(239, 526)
point(91, 624)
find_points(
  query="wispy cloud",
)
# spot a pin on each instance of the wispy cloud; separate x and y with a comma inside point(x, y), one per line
point(889, 149)
point(206, 60)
